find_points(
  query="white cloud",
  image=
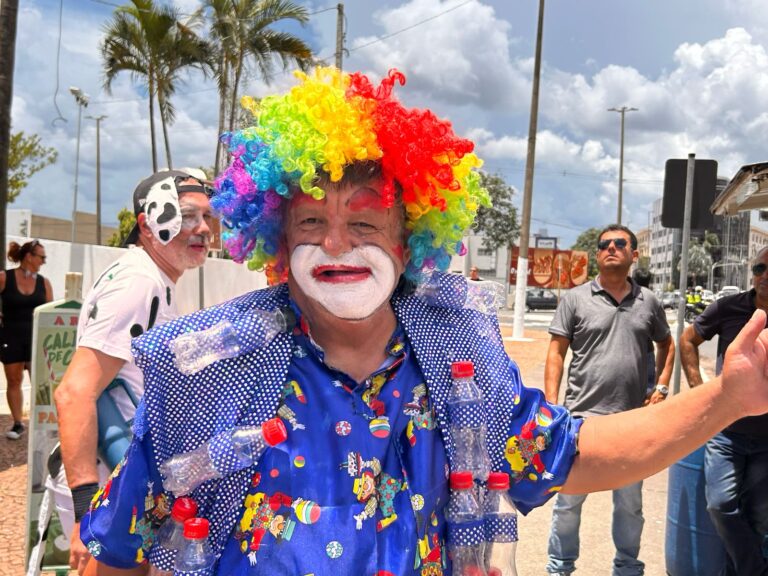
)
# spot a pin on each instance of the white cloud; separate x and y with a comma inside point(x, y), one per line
point(462, 57)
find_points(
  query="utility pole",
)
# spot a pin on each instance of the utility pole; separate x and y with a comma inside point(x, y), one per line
point(82, 102)
point(339, 34)
point(9, 11)
point(525, 224)
point(98, 176)
point(623, 110)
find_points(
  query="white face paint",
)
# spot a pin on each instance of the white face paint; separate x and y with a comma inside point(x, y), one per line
point(351, 286)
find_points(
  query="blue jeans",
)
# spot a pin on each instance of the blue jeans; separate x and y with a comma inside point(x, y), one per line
point(736, 475)
point(626, 529)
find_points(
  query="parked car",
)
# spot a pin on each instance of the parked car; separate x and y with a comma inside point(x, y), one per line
point(670, 300)
point(727, 291)
point(707, 296)
point(540, 299)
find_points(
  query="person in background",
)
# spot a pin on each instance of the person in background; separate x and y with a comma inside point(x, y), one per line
point(736, 459)
point(474, 274)
point(351, 202)
point(22, 289)
point(135, 293)
point(609, 324)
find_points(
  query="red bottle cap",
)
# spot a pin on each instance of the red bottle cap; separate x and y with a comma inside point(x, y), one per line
point(461, 480)
point(274, 431)
point(494, 572)
point(196, 528)
point(465, 369)
point(183, 509)
point(498, 481)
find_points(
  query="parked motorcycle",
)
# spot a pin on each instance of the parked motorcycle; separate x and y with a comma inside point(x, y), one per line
point(693, 310)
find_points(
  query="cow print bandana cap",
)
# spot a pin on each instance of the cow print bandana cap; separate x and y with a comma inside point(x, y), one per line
point(158, 198)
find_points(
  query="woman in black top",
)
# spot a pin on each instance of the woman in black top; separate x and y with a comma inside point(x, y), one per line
point(22, 290)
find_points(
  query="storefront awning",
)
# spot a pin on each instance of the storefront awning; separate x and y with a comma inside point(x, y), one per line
point(748, 190)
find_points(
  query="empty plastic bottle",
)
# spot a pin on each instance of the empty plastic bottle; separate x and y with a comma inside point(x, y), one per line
point(500, 526)
point(465, 527)
point(466, 416)
point(454, 291)
point(171, 534)
point(228, 338)
point(195, 556)
point(225, 453)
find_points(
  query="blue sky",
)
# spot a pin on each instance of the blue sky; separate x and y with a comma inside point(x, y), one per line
point(696, 69)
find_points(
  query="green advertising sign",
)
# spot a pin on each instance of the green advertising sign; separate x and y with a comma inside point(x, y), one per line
point(53, 344)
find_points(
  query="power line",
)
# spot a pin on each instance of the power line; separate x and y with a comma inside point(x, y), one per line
point(411, 27)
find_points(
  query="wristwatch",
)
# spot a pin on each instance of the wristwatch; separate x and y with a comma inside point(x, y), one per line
point(662, 389)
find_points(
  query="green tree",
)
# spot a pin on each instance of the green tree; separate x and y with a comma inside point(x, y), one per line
point(154, 46)
point(497, 223)
point(126, 221)
point(699, 261)
point(587, 242)
point(242, 37)
point(26, 157)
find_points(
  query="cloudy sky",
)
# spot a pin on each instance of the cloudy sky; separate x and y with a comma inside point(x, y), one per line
point(695, 69)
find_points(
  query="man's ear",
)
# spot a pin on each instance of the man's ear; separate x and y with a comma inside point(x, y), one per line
point(144, 230)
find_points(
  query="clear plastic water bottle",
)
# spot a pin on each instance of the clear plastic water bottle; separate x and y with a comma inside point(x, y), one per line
point(171, 534)
point(465, 527)
point(500, 526)
point(466, 416)
point(195, 554)
point(454, 291)
point(228, 338)
point(225, 453)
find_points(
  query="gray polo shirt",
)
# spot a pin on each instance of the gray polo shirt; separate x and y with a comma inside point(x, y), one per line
point(609, 342)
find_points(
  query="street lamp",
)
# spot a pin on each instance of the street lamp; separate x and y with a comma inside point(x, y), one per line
point(82, 102)
point(623, 110)
point(98, 175)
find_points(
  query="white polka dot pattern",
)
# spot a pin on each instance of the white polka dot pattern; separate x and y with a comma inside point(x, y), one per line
point(185, 411)
point(500, 528)
point(466, 534)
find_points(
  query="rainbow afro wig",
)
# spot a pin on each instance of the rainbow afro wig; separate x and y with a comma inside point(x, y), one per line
point(327, 122)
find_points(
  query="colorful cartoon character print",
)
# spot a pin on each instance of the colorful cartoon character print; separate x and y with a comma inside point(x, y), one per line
point(422, 416)
point(522, 451)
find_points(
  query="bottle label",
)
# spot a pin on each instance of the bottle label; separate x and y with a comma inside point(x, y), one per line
point(501, 528)
point(465, 534)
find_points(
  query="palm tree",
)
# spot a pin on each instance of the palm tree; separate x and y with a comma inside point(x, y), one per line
point(152, 44)
point(242, 33)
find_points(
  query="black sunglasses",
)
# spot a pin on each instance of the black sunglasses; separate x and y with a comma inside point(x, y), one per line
point(759, 269)
point(620, 243)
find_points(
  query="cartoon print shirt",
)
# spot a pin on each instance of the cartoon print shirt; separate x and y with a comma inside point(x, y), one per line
point(129, 297)
point(359, 487)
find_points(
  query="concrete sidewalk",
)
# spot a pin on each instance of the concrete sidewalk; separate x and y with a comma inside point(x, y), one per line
point(596, 545)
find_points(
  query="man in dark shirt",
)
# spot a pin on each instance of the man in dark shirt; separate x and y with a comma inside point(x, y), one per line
point(736, 462)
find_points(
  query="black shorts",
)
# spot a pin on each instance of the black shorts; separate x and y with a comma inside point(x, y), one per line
point(15, 345)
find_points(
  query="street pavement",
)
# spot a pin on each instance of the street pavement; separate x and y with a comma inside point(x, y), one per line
point(530, 353)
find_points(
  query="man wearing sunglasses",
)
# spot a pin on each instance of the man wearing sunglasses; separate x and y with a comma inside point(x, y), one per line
point(736, 460)
point(608, 324)
point(135, 293)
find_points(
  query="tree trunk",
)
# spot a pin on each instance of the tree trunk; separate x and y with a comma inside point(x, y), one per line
point(9, 10)
point(221, 154)
point(164, 123)
point(152, 119)
point(235, 86)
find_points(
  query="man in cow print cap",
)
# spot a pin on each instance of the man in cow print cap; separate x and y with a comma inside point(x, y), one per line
point(134, 293)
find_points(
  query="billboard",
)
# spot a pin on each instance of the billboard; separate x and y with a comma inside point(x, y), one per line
point(549, 268)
